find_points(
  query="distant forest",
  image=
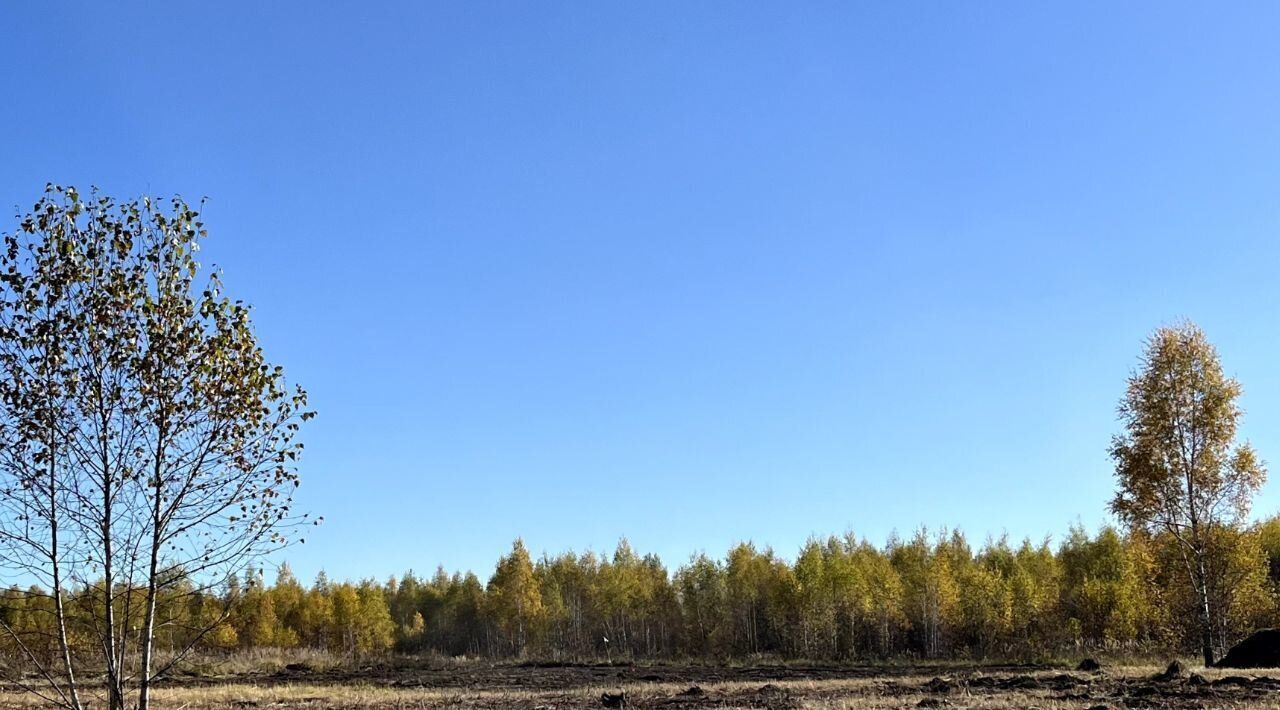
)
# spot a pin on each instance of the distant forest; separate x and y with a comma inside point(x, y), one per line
point(932, 596)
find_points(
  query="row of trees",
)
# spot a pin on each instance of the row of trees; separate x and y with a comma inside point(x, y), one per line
point(930, 596)
point(343, 617)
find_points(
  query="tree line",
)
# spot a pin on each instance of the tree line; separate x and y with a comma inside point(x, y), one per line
point(931, 596)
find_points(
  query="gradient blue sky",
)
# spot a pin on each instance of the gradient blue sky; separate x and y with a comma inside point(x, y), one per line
point(691, 273)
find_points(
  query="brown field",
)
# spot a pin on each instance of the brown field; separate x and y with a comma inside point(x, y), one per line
point(679, 686)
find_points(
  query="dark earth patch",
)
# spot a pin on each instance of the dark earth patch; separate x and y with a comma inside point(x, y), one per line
point(1260, 650)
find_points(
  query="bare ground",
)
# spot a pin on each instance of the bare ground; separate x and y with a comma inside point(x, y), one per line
point(693, 687)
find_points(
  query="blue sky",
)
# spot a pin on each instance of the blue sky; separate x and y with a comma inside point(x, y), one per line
point(691, 273)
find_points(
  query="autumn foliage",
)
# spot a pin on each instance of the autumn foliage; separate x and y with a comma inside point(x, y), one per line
point(931, 596)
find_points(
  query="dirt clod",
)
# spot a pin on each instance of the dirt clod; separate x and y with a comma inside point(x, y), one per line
point(1023, 682)
point(939, 685)
point(1065, 681)
point(1173, 672)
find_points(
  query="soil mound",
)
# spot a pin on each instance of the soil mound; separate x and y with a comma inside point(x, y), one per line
point(1261, 650)
point(1173, 672)
point(1089, 665)
point(939, 685)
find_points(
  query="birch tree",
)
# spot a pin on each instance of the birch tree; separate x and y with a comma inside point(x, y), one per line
point(164, 441)
point(1178, 467)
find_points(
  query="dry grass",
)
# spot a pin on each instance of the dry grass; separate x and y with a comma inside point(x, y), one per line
point(872, 692)
point(259, 660)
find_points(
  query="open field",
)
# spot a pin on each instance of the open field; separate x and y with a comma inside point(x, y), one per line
point(679, 687)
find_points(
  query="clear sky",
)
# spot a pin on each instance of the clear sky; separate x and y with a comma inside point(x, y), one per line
point(691, 273)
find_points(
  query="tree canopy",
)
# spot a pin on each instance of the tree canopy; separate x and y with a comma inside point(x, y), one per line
point(1179, 468)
